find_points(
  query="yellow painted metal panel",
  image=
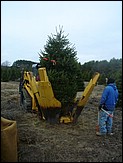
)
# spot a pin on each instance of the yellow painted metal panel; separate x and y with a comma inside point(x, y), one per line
point(47, 98)
point(88, 90)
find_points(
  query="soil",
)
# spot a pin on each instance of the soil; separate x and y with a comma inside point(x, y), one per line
point(39, 141)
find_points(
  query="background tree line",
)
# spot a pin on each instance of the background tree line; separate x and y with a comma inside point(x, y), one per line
point(113, 68)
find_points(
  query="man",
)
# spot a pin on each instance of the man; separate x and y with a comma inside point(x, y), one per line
point(106, 108)
point(21, 86)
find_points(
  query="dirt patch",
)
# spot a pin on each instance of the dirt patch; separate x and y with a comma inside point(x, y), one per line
point(42, 142)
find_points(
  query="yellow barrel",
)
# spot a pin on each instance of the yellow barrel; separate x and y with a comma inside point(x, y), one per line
point(8, 140)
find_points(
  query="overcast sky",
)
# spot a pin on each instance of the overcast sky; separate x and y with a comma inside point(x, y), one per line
point(94, 27)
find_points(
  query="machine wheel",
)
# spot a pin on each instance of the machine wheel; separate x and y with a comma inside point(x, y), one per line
point(27, 102)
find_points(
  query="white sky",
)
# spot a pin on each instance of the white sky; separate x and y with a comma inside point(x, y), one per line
point(95, 27)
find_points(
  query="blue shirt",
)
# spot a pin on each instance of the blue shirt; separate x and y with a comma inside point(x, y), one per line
point(109, 97)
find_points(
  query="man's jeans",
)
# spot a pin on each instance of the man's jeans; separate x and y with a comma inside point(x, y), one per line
point(105, 122)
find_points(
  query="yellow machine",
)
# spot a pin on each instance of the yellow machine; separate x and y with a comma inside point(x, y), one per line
point(38, 96)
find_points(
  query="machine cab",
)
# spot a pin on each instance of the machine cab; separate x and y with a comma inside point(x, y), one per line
point(35, 70)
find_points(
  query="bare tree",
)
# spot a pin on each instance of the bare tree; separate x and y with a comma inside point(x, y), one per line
point(6, 63)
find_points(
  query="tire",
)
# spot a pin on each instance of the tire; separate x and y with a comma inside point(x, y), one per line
point(27, 101)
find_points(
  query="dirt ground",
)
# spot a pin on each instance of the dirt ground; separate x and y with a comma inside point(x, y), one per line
point(42, 142)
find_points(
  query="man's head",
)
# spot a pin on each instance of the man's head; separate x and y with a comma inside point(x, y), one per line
point(110, 80)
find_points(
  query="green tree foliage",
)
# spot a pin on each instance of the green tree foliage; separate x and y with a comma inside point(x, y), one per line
point(5, 73)
point(112, 69)
point(13, 73)
point(26, 65)
point(59, 58)
point(119, 86)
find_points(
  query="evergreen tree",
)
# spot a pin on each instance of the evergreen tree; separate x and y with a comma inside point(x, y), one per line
point(5, 73)
point(59, 58)
point(119, 86)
